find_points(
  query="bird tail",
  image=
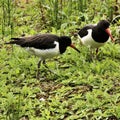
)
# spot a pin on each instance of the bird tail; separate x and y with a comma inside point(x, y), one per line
point(17, 41)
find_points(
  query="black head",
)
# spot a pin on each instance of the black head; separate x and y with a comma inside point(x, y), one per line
point(103, 24)
point(64, 42)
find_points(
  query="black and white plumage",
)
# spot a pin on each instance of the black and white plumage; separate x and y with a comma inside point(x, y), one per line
point(95, 36)
point(44, 45)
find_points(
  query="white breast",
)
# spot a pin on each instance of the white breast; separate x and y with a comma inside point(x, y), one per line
point(45, 53)
point(88, 40)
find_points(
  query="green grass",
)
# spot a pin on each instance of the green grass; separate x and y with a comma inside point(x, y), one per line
point(81, 89)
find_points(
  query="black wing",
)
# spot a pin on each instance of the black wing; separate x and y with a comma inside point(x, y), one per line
point(41, 41)
point(83, 32)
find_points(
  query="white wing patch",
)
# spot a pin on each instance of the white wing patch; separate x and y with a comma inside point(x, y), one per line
point(45, 53)
point(88, 40)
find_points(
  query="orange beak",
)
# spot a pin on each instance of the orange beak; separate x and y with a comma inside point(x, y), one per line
point(109, 33)
point(74, 48)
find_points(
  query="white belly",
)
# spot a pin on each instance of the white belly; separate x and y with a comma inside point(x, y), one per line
point(45, 53)
point(88, 41)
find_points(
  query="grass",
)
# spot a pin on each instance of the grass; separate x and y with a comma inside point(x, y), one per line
point(81, 89)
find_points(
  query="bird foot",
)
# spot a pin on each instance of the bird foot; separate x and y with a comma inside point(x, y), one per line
point(40, 78)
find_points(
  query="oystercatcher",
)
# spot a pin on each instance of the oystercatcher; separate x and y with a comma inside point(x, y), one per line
point(95, 36)
point(44, 46)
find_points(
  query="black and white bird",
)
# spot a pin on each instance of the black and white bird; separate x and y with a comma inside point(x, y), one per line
point(95, 36)
point(44, 46)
